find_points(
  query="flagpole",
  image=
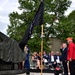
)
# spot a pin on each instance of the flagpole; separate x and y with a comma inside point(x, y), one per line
point(42, 31)
point(41, 47)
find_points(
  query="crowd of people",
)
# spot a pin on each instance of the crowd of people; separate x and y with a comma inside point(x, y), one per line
point(47, 59)
point(66, 55)
point(65, 58)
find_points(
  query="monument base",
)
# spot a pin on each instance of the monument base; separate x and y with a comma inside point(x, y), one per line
point(9, 65)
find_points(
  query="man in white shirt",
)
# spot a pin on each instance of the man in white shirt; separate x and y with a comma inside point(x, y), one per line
point(52, 59)
point(58, 57)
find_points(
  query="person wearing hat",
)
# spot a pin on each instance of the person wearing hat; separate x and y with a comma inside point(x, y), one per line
point(71, 55)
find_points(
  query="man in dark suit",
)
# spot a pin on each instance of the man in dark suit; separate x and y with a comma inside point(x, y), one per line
point(63, 50)
point(45, 58)
point(58, 58)
point(52, 59)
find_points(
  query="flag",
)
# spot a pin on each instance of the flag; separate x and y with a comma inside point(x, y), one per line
point(38, 20)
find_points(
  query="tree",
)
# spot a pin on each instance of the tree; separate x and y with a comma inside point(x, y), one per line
point(66, 26)
point(53, 10)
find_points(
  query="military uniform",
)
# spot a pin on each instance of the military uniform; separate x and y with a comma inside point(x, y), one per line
point(71, 57)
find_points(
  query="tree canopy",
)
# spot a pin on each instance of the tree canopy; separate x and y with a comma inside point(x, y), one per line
point(66, 26)
point(54, 21)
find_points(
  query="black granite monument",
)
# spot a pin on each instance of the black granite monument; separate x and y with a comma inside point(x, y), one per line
point(11, 55)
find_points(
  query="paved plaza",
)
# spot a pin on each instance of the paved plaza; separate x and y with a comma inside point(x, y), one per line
point(38, 74)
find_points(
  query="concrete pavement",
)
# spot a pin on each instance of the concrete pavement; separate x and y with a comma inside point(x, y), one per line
point(39, 74)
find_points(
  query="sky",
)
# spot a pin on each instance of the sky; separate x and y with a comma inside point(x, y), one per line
point(8, 6)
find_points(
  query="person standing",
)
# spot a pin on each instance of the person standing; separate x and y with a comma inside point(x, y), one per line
point(63, 51)
point(71, 55)
point(26, 63)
